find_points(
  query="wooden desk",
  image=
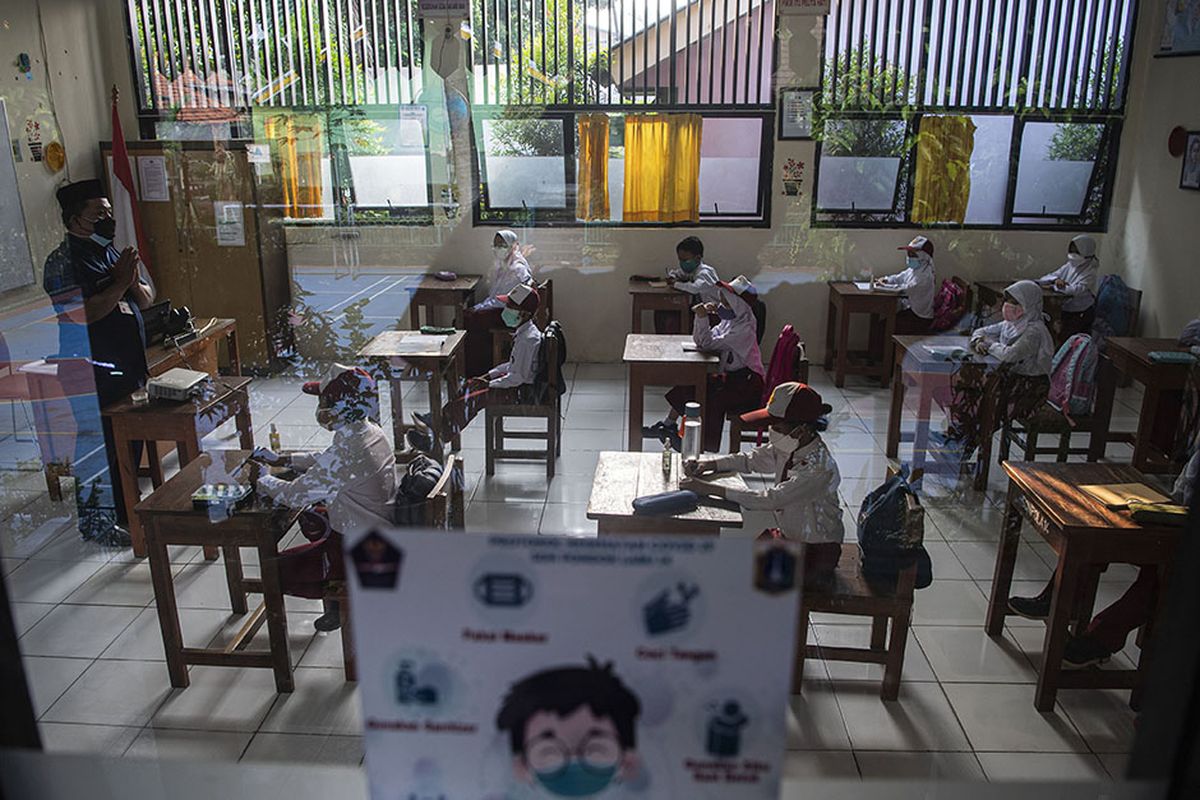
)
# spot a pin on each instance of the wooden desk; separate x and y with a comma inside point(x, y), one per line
point(429, 293)
point(621, 477)
point(991, 293)
point(408, 355)
point(645, 297)
point(845, 299)
point(1086, 536)
point(200, 353)
point(1130, 357)
point(184, 423)
point(168, 518)
point(917, 367)
point(660, 360)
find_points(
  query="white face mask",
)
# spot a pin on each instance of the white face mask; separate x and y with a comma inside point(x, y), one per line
point(782, 441)
point(1075, 258)
point(499, 251)
point(326, 418)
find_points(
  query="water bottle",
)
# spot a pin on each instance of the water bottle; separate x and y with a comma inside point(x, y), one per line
point(691, 431)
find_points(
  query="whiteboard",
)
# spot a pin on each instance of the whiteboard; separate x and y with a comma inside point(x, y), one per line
point(16, 263)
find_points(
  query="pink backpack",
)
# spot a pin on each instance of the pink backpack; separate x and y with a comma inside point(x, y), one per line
point(780, 370)
point(1073, 376)
point(948, 306)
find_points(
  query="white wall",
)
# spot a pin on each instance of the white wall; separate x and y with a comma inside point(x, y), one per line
point(1154, 238)
point(82, 66)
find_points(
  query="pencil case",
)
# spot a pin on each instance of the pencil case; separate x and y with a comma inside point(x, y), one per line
point(1167, 514)
point(1171, 357)
point(666, 504)
point(435, 330)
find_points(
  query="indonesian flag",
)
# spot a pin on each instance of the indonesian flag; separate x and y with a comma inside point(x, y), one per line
point(125, 210)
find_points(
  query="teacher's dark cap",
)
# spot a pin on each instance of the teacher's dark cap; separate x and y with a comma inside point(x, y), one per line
point(790, 402)
point(918, 243)
point(377, 562)
point(73, 195)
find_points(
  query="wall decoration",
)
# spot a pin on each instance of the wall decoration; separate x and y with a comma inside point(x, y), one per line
point(793, 177)
point(1181, 29)
point(56, 156)
point(33, 139)
point(1189, 177)
point(796, 111)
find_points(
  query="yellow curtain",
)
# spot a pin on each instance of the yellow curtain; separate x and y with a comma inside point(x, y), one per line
point(662, 168)
point(299, 141)
point(592, 201)
point(943, 182)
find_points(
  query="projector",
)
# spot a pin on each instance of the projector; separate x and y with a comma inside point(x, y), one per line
point(176, 384)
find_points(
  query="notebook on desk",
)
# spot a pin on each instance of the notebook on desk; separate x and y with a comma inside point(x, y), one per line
point(1117, 496)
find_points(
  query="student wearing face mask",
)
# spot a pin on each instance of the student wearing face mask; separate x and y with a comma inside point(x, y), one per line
point(98, 295)
point(1077, 280)
point(347, 488)
point(507, 383)
point(1023, 345)
point(510, 268)
point(738, 386)
point(692, 276)
point(804, 497)
point(918, 281)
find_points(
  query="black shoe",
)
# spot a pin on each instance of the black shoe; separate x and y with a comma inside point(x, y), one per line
point(116, 536)
point(656, 431)
point(420, 440)
point(423, 421)
point(1030, 607)
point(1082, 652)
point(331, 620)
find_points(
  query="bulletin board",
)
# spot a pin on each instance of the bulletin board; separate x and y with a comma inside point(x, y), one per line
point(16, 262)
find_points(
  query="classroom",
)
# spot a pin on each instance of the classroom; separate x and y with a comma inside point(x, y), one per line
point(599, 398)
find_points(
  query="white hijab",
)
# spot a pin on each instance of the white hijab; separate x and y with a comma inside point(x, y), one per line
point(511, 267)
point(1086, 246)
point(741, 332)
point(1032, 323)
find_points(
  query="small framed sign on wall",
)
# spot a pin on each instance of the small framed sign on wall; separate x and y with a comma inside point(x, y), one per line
point(797, 106)
point(1189, 177)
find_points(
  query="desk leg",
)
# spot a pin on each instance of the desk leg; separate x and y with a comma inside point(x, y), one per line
point(1066, 584)
point(895, 414)
point(397, 393)
point(637, 399)
point(235, 359)
point(154, 459)
point(268, 557)
point(189, 450)
point(168, 611)
point(233, 577)
point(453, 380)
point(830, 330)
point(435, 412)
point(921, 433)
point(635, 325)
point(843, 354)
point(889, 347)
point(1006, 560)
point(701, 385)
point(130, 494)
point(1149, 640)
point(245, 423)
point(1106, 390)
point(1143, 443)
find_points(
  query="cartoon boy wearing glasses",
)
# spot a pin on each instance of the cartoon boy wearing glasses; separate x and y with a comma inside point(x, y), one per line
point(572, 729)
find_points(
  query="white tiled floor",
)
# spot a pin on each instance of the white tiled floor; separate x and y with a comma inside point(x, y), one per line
point(93, 650)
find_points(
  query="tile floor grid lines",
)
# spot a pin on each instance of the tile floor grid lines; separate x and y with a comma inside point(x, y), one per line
point(966, 701)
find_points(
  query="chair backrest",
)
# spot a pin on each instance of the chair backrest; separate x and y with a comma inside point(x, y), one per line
point(545, 311)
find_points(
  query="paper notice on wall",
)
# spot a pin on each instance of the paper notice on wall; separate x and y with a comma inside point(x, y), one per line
point(798, 7)
point(258, 153)
point(231, 224)
point(620, 668)
point(152, 177)
point(443, 8)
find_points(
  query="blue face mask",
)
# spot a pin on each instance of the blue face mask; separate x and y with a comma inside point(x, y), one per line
point(511, 317)
point(912, 262)
point(725, 312)
point(575, 780)
point(689, 265)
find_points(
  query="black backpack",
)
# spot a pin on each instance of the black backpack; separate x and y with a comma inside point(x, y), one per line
point(541, 376)
point(891, 534)
point(421, 475)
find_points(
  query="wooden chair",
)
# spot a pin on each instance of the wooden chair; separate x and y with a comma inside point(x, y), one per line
point(966, 305)
point(502, 337)
point(550, 409)
point(851, 595)
point(739, 432)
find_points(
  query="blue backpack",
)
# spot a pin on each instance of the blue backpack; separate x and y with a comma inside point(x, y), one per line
point(1114, 309)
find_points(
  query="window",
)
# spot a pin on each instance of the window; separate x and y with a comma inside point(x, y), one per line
point(383, 162)
point(523, 164)
point(1043, 84)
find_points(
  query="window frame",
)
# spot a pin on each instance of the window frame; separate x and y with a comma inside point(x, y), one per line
point(340, 162)
point(485, 216)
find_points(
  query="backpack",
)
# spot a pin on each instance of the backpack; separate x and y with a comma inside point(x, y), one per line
point(948, 306)
point(1114, 306)
point(1073, 377)
point(418, 480)
point(891, 534)
point(780, 370)
point(540, 376)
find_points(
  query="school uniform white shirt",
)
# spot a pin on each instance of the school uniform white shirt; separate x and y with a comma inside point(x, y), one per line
point(1028, 351)
point(521, 368)
point(735, 340)
point(702, 282)
point(805, 504)
point(355, 477)
point(917, 284)
point(508, 275)
point(1080, 280)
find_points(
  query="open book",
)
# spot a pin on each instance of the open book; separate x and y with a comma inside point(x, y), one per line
point(1120, 495)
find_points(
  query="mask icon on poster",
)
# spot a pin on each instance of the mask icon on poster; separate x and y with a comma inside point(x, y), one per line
point(503, 590)
point(408, 693)
point(775, 569)
point(669, 610)
point(377, 562)
point(572, 731)
point(723, 737)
